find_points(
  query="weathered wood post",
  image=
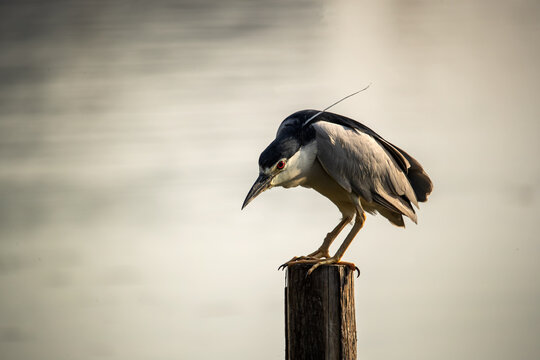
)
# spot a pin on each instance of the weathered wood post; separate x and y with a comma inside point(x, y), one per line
point(319, 313)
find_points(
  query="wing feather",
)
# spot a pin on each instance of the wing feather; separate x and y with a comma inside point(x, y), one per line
point(418, 178)
point(362, 164)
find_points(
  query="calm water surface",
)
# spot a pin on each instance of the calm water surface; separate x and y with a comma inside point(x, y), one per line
point(129, 137)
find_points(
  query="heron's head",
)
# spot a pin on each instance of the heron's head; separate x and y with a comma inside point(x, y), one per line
point(283, 161)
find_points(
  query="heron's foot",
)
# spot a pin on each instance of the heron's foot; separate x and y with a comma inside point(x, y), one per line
point(329, 261)
point(333, 260)
point(319, 254)
point(308, 259)
point(318, 262)
point(351, 266)
point(314, 256)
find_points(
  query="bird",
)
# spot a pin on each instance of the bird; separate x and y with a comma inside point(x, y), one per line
point(348, 163)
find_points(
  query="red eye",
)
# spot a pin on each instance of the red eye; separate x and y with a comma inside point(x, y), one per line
point(280, 165)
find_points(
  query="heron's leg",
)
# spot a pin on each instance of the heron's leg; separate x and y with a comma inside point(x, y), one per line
point(358, 223)
point(322, 251)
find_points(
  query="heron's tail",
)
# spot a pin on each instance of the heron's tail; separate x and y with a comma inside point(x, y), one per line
point(419, 179)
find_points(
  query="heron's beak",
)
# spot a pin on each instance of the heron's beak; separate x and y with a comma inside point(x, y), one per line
point(262, 183)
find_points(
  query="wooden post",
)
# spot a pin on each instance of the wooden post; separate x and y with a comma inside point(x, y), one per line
point(319, 313)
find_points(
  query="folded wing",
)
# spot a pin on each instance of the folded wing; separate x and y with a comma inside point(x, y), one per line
point(364, 163)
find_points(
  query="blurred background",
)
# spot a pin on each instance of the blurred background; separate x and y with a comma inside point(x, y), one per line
point(130, 133)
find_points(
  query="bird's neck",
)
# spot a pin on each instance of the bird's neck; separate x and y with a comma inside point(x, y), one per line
point(298, 167)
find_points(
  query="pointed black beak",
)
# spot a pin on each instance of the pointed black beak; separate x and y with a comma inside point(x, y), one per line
point(262, 183)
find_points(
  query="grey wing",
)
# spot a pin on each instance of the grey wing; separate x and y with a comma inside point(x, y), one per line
point(362, 166)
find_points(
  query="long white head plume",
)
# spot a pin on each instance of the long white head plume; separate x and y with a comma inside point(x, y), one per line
point(306, 123)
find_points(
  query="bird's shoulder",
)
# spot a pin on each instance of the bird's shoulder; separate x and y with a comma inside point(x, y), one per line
point(305, 124)
point(361, 129)
point(303, 120)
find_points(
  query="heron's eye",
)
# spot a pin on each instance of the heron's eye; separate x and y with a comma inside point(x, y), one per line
point(280, 165)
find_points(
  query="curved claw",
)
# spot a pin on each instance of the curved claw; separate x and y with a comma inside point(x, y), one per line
point(321, 262)
point(316, 263)
point(351, 266)
point(311, 269)
point(296, 259)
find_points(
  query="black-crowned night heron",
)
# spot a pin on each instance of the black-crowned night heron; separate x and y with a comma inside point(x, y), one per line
point(348, 163)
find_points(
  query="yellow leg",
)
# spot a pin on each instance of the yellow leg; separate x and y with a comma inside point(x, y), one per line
point(322, 251)
point(358, 223)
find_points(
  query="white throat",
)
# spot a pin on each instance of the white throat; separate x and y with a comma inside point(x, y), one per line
point(297, 168)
